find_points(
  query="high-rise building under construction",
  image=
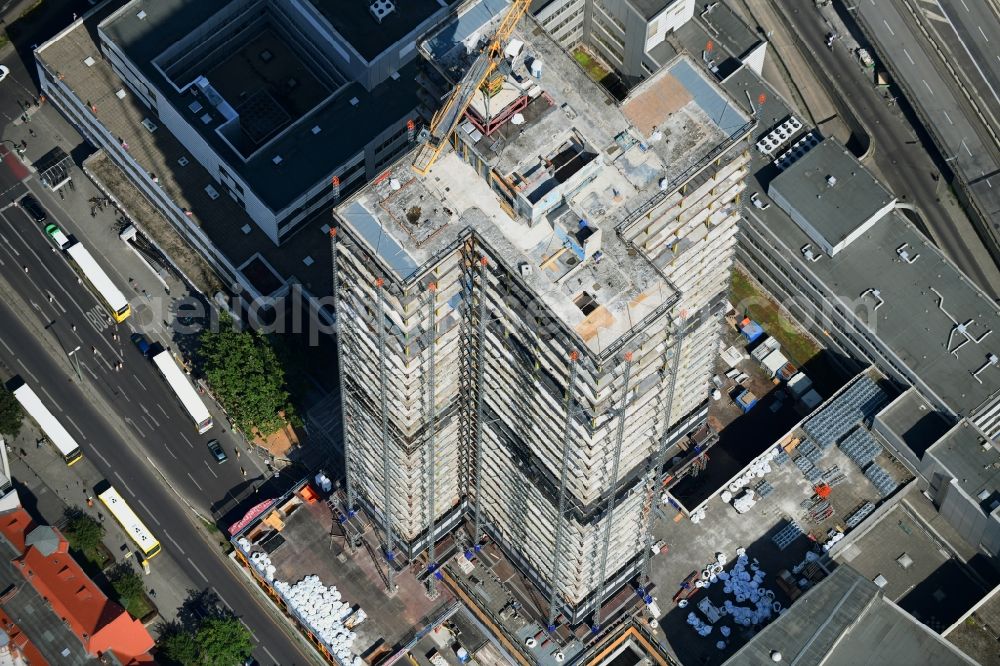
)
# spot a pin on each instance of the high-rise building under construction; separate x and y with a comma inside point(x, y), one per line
point(528, 329)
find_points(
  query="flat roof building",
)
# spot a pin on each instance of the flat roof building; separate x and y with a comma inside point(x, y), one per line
point(846, 620)
point(886, 296)
point(286, 105)
point(831, 196)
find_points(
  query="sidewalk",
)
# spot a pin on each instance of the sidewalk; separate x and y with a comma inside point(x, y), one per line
point(151, 314)
point(65, 487)
point(152, 291)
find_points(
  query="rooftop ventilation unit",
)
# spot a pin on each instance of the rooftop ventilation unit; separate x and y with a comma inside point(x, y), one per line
point(380, 9)
point(807, 252)
point(831, 181)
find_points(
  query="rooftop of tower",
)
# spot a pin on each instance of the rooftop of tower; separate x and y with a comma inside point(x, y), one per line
point(578, 167)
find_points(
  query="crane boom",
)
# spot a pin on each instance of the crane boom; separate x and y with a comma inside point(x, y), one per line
point(446, 119)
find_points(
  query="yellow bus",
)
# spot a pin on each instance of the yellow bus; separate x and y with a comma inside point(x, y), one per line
point(134, 528)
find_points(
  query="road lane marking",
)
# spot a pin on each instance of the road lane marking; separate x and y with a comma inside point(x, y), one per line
point(176, 545)
point(30, 373)
point(148, 422)
point(45, 267)
point(136, 426)
point(123, 393)
point(10, 245)
point(210, 469)
point(122, 481)
point(193, 480)
point(149, 415)
point(170, 451)
point(907, 54)
point(886, 23)
point(151, 514)
point(928, 86)
point(965, 5)
point(49, 396)
point(140, 383)
point(244, 622)
point(966, 146)
point(53, 299)
point(983, 34)
point(103, 459)
point(160, 407)
point(269, 655)
point(73, 423)
point(185, 438)
point(947, 116)
point(7, 347)
point(195, 567)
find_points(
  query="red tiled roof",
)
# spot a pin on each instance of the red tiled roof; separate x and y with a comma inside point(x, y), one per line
point(15, 525)
point(99, 623)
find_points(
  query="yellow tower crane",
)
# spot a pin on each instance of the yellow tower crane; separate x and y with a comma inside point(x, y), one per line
point(446, 119)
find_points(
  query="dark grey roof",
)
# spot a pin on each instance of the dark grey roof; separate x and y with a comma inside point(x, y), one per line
point(727, 28)
point(353, 21)
point(914, 420)
point(832, 191)
point(976, 467)
point(650, 8)
point(307, 158)
point(844, 621)
point(909, 323)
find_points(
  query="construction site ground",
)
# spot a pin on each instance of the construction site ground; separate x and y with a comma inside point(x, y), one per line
point(743, 437)
point(311, 547)
point(494, 586)
point(693, 546)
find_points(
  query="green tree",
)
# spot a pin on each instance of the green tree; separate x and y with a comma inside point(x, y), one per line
point(131, 590)
point(178, 646)
point(10, 414)
point(83, 532)
point(223, 640)
point(217, 640)
point(245, 375)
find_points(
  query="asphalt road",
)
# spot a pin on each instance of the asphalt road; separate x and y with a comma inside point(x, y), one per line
point(973, 30)
point(21, 350)
point(146, 404)
point(903, 162)
point(146, 421)
point(962, 138)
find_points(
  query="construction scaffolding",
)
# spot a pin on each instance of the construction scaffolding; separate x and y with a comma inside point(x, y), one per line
point(561, 511)
point(389, 546)
point(505, 399)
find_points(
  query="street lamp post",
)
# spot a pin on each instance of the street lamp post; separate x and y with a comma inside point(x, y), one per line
point(75, 361)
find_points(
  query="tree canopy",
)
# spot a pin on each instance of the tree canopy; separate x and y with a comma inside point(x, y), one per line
point(219, 639)
point(243, 370)
point(10, 414)
point(83, 532)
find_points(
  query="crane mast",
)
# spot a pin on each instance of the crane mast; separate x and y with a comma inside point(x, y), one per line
point(447, 118)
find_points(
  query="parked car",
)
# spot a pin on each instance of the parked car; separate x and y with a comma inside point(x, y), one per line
point(758, 202)
point(217, 452)
point(140, 341)
point(31, 206)
point(58, 236)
